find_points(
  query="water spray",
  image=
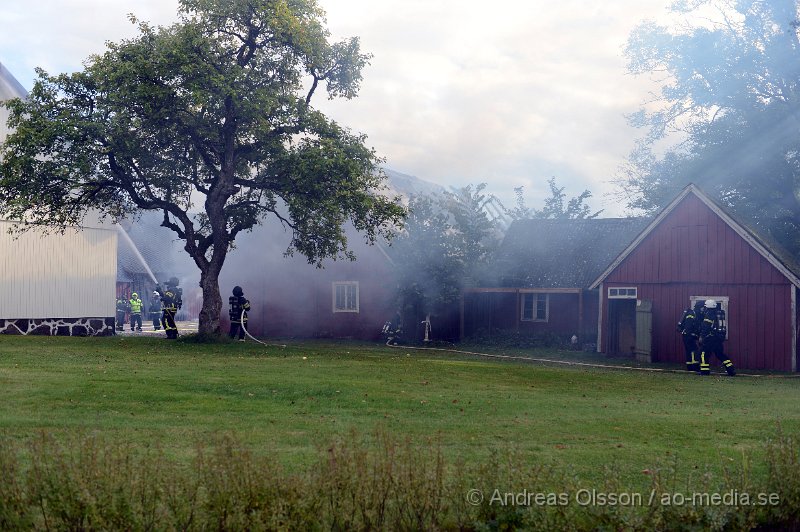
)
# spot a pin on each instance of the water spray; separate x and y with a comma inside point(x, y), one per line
point(121, 229)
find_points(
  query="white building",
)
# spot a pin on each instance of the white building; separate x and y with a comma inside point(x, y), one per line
point(55, 284)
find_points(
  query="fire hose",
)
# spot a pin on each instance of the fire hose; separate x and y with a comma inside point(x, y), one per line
point(569, 363)
point(243, 321)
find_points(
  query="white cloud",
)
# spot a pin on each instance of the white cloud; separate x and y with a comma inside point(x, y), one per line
point(510, 92)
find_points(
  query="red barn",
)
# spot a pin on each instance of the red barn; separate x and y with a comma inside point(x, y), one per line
point(695, 250)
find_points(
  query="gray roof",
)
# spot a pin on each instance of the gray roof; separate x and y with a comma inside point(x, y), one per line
point(9, 89)
point(561, 253)
point(9, 86)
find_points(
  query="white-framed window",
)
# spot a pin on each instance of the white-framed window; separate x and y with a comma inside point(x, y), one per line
point(723, 300)
point(345, 296)
point(535, 307)
point(623, 292)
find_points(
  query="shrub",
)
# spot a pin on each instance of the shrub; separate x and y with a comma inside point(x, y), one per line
point(377, 482)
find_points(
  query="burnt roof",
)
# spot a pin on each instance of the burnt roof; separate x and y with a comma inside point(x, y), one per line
point(561, 253)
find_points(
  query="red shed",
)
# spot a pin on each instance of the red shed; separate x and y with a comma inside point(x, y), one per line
point(695, 250)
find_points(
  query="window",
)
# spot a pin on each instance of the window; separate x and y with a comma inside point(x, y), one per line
point(623, 293)
point(534, 307)
point(345, 296)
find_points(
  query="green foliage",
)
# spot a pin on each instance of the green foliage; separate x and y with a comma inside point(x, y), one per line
point(210, 122)
point(554, 206)
point(730, 98)
point(379, 482)
point(445, 245)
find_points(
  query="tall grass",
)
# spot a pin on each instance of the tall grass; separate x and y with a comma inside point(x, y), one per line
point(357, 483)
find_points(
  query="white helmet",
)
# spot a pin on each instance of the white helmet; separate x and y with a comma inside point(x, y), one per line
point(710, 303)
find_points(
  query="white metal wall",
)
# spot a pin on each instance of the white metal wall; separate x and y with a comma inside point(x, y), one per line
point(58, 276)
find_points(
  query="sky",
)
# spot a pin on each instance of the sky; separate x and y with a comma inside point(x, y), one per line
point(508, 93)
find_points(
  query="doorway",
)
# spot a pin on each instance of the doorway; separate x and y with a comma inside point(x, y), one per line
point(621, 327)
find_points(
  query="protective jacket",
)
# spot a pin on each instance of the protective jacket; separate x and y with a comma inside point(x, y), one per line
point(713, 326)
point(236, 305)
point(690, 322)
point(136, 306)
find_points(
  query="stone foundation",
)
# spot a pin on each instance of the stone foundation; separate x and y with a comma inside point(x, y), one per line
point(59, 326)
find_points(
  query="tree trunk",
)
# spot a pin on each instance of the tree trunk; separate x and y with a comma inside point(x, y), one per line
point(208, 324)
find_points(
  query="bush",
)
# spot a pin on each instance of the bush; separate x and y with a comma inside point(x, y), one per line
point(373, 483)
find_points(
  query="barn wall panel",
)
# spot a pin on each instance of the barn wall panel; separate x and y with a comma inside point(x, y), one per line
point(696, 240)
point(757, 322)
point(57, 276)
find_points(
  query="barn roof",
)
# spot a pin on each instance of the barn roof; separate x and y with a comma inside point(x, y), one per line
point(775, 254)
point(9, 89)
point(562, 253)
point(9, 86)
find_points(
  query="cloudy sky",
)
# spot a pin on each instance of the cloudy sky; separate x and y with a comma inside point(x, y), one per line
point(508, 92)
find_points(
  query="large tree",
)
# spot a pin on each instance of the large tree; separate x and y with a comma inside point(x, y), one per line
point(209, 121)
point(727, 116)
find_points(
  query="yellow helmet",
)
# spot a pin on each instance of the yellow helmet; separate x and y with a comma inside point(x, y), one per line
point(134, 295)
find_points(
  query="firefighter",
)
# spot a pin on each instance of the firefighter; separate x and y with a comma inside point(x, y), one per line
point(122, 309)
point(713, 331)
point(155, 310)
point(238, 306)
point(393, 330)
point(689, 327)
point(136, 312)
point(170, 304)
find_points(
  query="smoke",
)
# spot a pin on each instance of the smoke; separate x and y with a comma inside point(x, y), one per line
point(291, 298)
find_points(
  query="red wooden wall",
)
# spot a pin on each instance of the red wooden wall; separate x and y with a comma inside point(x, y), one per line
point(694, 252)
point(499, 311)
point(293, 299)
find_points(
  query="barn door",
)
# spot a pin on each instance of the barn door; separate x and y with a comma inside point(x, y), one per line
point(644, 331)
point(621, 327)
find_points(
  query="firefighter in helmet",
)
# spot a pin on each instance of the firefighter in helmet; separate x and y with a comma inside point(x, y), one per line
point(713, 331)
point(238, 306)
point(689, 327)
point(170, 304)
point(136, 312)
point(122, 309)
point(155, 310)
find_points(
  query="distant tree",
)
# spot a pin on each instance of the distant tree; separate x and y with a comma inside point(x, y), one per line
point(554, 206)
point(210, 122)
point(731, 98)
point(520, 211)
point(444, 246)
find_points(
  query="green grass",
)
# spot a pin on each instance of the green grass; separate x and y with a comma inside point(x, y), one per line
point(289, 403)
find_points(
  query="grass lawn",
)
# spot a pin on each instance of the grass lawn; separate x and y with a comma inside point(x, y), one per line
point(290, 402)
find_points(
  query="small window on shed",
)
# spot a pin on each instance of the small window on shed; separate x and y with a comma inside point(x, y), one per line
point(535, 307)
point(625, 292)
